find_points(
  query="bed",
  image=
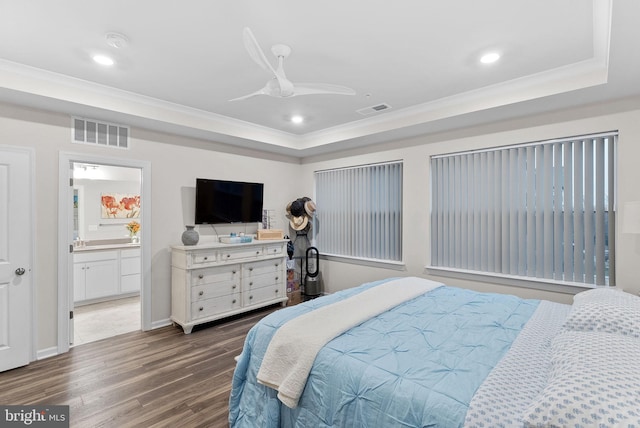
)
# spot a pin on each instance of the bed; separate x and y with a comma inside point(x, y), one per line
point(441, 356)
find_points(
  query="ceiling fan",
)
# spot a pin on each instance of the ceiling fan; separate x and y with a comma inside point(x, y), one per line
point(279, 86)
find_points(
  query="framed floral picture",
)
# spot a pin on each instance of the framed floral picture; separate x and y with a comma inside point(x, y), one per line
point(117, 205)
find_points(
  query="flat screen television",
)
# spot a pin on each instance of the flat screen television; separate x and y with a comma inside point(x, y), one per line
point(220, 201)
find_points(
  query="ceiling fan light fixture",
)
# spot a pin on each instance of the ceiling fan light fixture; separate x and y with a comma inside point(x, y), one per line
point(490, 58)
point(279, 85)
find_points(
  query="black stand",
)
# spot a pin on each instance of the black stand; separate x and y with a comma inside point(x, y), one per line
point(300, 245)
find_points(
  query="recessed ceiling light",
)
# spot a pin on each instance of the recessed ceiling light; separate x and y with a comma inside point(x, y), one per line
point(297, 119)
point(490, 58)
point(103, 60)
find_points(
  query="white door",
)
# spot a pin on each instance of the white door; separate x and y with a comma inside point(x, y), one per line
point(15, 258)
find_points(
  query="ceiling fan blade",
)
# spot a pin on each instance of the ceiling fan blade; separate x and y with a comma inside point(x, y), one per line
point(272, 88)
point(255, 52)
point(251, 95)
point(321, 88)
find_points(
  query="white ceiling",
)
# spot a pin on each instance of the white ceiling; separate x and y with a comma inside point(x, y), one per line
point(184, 60)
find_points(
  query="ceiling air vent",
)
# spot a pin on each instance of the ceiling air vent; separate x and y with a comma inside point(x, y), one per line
point(89, 131)
point(374, 109)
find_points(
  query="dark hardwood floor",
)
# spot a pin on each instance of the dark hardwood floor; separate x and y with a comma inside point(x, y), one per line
point(160, 378)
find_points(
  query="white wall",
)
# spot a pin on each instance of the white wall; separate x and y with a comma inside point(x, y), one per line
point(177, 161)
point(93, 226)
point(175, 164)
point(416, 198)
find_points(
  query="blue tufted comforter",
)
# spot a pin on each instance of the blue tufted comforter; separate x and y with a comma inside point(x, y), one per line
point(416, 365)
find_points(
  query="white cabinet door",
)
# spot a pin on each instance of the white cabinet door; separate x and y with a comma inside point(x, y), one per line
point(79, 286)
point(130, 283)
point(101, 278)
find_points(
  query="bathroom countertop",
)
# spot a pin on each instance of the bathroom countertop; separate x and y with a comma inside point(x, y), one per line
point(104, 245)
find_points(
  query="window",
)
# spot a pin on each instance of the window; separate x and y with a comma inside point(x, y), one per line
point(539, 210)
point(359, 211)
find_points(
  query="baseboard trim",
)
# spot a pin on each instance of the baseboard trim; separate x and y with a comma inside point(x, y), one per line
point(47, 353)
point(160, 323)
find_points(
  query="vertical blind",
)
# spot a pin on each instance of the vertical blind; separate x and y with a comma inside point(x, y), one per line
point(542, 210)
point(359, 211)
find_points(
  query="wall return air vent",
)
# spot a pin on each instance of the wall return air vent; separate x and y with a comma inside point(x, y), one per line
point(374, 109)
point(89, 131)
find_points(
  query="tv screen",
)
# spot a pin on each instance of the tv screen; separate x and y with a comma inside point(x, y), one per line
point(220, 201)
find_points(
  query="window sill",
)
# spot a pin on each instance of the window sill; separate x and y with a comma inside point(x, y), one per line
point(386, 264)
point(512, 280)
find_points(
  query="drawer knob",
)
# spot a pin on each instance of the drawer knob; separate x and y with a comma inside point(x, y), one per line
point(276, 278)
point(233, 272)
point(251, 283)
point(277, 291)
point(250, 297)
point(201, 276)
point(257, 252)
point(228, 255)
point(206, 258)
point(201, 308)
point(275, 251)
point(277, 265)
point(251, 269)
point(201, 293)
point(233, 301)
point(234, 286)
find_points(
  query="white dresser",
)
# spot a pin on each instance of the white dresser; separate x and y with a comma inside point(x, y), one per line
point(213, 281)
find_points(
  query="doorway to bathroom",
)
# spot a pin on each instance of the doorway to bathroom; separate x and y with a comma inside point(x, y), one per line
point(106, 251)
point(104, 265)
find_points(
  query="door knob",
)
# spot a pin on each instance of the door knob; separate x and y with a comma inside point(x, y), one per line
point(20, 271)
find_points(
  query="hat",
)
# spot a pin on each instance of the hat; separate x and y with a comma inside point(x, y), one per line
point(299, 222)
point(297, 208)
point(310, 207)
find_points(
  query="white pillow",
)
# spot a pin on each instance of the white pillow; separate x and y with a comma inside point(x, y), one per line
point(594, 381)
point(606, 310)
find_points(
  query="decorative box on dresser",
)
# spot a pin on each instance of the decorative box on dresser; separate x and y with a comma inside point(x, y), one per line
point(214, 281)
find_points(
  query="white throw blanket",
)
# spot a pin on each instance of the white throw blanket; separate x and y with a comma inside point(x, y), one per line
point(293, 348)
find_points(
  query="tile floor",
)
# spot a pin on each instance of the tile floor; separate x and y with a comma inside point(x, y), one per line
point(106, 319)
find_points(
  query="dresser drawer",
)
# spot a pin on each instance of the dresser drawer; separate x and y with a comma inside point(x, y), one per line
point(260, 281)
point(255, 296)
point(204, 257)
point(244, 253)
point(274, 266)
point(209, 307)
point(210, 291)
point(274, 250)
point(212, 275)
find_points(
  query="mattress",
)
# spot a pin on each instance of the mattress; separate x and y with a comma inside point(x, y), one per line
point(450, 357)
